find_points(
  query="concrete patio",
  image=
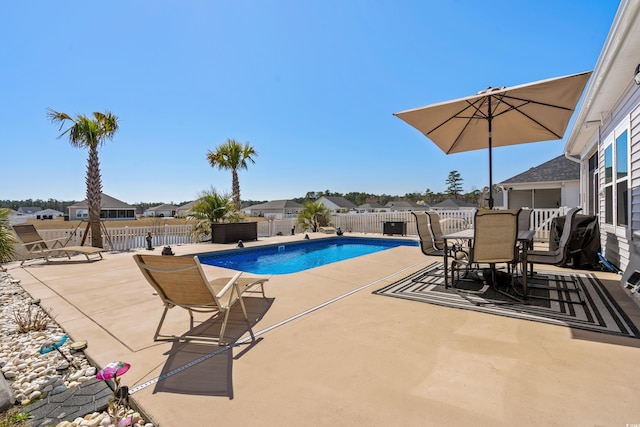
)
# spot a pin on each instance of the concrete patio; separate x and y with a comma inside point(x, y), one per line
point(329, 353)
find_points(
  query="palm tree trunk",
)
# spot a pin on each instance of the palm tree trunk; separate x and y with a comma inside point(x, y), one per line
point(235, 188)
point(94, 196)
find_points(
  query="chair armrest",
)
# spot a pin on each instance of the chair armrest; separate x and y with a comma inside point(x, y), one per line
point(229, 284)
point(58, 241)
point(44, 242)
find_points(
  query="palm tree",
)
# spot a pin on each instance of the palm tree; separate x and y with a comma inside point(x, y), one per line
point(211, 207)
point(232, 155)
point(90, 133)
point(308, 217)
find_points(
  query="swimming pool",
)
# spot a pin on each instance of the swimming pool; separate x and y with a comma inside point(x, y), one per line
point(298, 256)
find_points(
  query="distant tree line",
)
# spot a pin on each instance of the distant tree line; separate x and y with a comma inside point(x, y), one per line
point(63, 205)
point(454, 190)
point(357, 198)
point(429, 197)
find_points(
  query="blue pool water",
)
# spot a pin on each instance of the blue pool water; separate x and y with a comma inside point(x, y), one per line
point(298, 256)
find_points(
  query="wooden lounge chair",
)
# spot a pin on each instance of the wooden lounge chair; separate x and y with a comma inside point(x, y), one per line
point(327, 230)
point(180, 281)
point(35, 245)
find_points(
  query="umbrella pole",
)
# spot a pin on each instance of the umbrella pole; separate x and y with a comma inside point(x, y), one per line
point(489, 119)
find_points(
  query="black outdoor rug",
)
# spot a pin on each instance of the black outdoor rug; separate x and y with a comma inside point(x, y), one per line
point(599, 313)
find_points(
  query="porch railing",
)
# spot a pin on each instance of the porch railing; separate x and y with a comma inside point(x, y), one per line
point(126, 238)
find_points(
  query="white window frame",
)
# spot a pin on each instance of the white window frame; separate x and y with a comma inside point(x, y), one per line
point(610, 141)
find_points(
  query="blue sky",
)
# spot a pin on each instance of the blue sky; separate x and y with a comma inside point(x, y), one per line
point(311, 85)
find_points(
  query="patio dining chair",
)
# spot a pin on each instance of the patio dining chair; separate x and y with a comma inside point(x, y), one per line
point(495, 241)
point(180, 282)
point(436, 230)
point(524, 219)
point(427, 243)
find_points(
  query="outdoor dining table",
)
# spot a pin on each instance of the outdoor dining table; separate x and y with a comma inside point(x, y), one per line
point(524, 238)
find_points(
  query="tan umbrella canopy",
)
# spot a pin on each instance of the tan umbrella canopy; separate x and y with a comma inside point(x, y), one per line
point(497, 117)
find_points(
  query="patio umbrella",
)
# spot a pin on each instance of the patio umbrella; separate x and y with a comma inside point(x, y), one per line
point(497, 117)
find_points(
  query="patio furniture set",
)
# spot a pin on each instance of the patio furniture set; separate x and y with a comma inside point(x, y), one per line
point(497, 237)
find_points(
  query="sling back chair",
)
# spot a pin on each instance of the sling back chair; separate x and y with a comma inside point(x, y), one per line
point(427, 243)
point(33, 244)
point(524, 225)
point(180, 281)
point(524, 219)
point(495, 241)
point(436, 230)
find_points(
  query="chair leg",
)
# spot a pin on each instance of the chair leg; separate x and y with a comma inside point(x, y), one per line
point(164, 314)
point(224, 326)
point(246, 319)
point(494, 285)
point(461, 292)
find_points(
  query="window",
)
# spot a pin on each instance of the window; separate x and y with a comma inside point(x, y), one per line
point(616, 180)
point(82, 213)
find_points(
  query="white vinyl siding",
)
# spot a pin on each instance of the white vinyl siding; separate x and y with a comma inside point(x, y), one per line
point(634, 154)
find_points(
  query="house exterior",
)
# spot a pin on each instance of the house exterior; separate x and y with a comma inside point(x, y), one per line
point(405, 206)
point(110, 209)
point(371, 207)
point(183, 210)
point(605, 137)
point(162, 211)
point(48, 214)
point(275, 209)
point(454, 204)
point(28, 210)
point(550, 185)
point(337, 204)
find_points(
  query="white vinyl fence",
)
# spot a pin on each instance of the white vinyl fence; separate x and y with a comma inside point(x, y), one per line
point(126, 238)
point(451, 221)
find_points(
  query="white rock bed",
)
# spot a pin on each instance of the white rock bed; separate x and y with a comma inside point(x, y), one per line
point(33, 375)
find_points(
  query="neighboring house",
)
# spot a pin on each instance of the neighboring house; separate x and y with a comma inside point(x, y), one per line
point(405, 206)
point(454, 204)
point(371, 207)
point(550, 185)
point(183, 210)
point(605, 137)
point(28, 210)
point(337, 204)
point(48, 214)
point(162, 211)
point(110, 209)
point(275, 209)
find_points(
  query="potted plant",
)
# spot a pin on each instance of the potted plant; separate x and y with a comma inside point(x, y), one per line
point(217, 215)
